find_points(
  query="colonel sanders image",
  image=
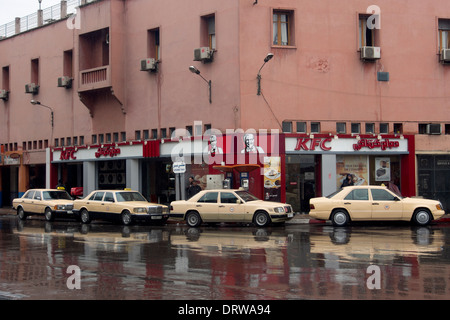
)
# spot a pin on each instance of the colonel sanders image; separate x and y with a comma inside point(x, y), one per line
point(249, 141)
point(214, 148)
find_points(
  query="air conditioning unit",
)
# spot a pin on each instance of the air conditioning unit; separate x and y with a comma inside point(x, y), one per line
point(370, 53)
point(4, 95)
point(445, 55)
point(149, 64)
point(32, 88)
point(65, 82)
point(434, 128)
point(204, 54)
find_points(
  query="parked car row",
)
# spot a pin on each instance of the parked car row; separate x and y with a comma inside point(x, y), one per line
point(128, 206)
point(357, 203)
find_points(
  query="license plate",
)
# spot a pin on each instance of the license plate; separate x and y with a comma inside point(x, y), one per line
point(70, 212)
point(156, 217)
point(290, 215)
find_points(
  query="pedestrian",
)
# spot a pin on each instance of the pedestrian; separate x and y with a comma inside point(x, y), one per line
point(393, 187)
point(193, 189)
point(348, 181)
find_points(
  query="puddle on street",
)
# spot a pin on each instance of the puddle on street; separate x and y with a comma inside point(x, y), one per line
point(225, 262)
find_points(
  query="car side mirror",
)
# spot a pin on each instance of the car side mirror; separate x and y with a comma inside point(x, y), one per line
point(238, 201)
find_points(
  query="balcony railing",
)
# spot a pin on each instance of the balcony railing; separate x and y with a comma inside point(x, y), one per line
point(96, 78)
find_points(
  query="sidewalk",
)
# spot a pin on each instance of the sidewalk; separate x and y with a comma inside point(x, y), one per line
point(7, 211)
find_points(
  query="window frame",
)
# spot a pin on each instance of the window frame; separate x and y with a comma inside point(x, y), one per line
point(208, 34)
point(362, 36)
point(443, 30)
point(290, 15)
point(341, 130)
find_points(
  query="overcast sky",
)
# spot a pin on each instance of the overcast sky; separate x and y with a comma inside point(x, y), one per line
point(10, 9)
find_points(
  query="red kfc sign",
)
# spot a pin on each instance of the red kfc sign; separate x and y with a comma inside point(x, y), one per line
point(68, 154)
point(310, 144)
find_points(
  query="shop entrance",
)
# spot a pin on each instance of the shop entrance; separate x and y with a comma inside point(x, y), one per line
point(434, 178)
point(10, 184)
point(158, 181)
point(301, 180)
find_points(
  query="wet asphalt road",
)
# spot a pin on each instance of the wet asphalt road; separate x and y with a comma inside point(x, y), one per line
point(307, 261)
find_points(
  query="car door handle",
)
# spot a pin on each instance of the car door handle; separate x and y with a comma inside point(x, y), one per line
point(347, 203)
point(198, 206)
point(222, 206)
point(375, 204)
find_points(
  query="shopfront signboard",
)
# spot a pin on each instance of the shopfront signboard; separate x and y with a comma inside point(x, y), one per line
point(311, 144)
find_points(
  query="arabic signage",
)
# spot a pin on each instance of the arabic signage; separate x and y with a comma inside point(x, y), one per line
point(376, 144)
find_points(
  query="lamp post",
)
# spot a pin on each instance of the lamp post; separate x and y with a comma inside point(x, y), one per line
point(35, 102)
point(196, 71)
point(258, 77)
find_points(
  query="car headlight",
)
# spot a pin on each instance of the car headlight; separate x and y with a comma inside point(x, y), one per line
point(279, 210)
point(140, 210)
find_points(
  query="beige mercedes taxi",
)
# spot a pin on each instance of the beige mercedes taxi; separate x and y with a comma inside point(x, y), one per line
point(373, 203)
point(227, 205)
point(47, 202)
point(126, 206)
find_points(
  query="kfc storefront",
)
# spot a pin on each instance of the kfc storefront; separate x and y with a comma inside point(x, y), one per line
point(107, 166)
point(254, 161)
point(317, 165)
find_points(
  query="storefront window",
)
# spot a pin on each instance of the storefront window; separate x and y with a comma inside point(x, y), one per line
point(367, 170)
point(111, 174)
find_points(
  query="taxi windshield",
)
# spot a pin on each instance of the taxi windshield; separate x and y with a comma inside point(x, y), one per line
point(129, 196)
point(246, 196)
point(56, 195)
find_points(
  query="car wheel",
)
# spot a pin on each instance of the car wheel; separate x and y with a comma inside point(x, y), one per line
point(261, 219)
point(193, 219)
point(21, 213)
point(126, 218)
point(48, 214)
point(422, 217)
point(85, 216)
point(340, 218)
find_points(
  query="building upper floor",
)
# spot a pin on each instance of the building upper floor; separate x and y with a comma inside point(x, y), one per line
point(121, 68)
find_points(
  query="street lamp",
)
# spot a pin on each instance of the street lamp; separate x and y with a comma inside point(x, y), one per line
point(258, 77)
point(196, 71)
point(35, 102)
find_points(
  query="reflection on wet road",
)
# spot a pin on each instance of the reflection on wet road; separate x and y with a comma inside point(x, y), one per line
point(226, 262)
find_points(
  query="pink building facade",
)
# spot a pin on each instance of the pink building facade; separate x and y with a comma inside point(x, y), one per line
point(353, 88)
